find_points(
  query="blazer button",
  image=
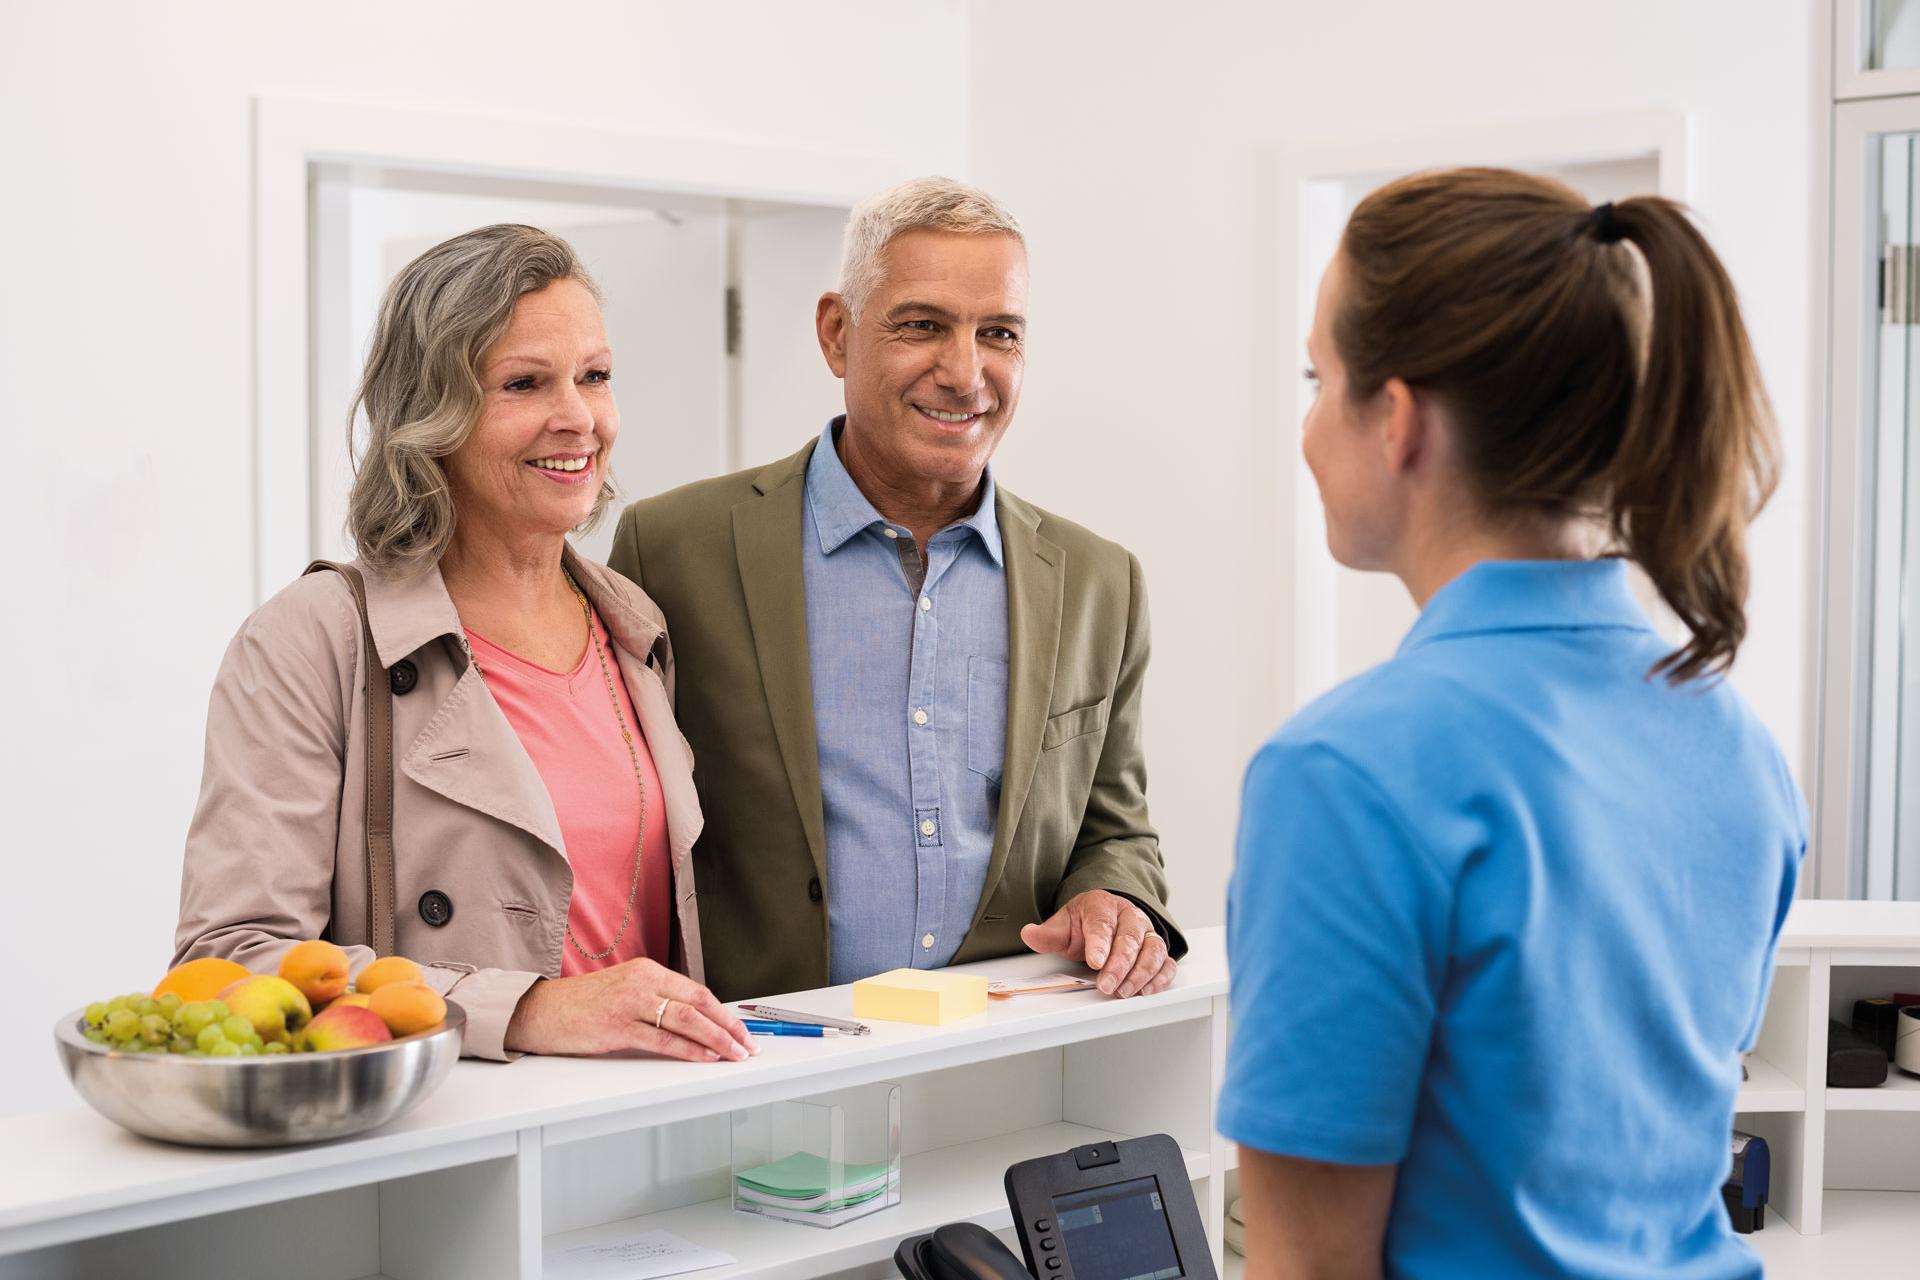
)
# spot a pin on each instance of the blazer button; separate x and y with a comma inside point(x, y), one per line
point(813, 890)
point(403, 677)
point(436, 908)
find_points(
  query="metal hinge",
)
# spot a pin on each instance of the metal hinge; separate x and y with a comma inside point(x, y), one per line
point(1900, 284)
point(733, 320)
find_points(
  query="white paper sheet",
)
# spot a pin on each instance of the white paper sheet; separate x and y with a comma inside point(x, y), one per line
point(639, 1257)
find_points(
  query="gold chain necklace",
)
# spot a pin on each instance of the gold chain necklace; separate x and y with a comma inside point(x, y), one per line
point(639, 777)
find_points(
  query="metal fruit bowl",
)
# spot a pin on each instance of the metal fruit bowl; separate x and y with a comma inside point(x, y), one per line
point(264, 1101)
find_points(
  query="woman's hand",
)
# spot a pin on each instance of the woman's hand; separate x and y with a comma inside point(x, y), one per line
point(615, 1008)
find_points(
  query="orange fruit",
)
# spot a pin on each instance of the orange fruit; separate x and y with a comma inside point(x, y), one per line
point(407, 1007)
point(202, 979)
point(384, 970)
point(352, 1000)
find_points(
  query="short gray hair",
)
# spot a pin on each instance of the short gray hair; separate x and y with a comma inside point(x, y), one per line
point(421, 387)
point(935, 204)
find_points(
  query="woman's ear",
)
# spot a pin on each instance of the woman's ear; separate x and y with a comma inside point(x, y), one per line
point(1407, 434)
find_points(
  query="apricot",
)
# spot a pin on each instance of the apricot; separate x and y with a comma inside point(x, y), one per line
point(384, 970)
point(317, 968)
point(202, 979)
point(407, 1007)
point(341, 1026)
point(351, 1000)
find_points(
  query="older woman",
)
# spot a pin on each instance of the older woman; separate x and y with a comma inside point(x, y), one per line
point(542, 801)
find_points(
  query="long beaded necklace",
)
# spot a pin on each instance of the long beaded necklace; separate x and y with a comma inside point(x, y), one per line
point(633, 752)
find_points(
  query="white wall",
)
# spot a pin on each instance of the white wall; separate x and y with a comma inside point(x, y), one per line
point(124, 354)
point(1137, 141)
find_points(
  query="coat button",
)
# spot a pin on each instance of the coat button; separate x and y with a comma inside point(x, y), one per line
point(436, 908)
point(403, 677)
point(813, 890)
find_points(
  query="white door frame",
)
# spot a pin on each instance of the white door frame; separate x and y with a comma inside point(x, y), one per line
point(1305, 177)
point(290, 136)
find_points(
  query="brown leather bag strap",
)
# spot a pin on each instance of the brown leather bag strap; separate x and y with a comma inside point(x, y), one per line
point(379, 721)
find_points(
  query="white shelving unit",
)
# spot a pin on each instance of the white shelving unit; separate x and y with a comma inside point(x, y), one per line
point(505, 1158)
point(1846, 1176)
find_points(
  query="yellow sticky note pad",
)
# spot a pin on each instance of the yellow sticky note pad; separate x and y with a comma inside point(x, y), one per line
point(926, 996)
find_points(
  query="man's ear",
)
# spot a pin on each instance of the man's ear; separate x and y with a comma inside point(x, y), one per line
point(831, 322)
point(1407, 436)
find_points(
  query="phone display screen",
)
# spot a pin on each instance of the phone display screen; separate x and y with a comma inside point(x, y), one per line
point(1118, 1232)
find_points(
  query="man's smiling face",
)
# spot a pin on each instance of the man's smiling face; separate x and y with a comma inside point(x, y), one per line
point(934, 364)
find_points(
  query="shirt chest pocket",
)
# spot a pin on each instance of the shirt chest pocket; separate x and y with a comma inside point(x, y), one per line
point(986, 716)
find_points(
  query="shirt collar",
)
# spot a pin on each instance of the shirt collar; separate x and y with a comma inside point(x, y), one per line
point(840, 510)
point(1530, 595)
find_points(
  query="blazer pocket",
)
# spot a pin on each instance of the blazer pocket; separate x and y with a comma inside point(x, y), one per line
point(1077, 723)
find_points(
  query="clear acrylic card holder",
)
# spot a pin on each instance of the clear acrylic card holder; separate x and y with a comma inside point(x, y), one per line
point(820, 1161)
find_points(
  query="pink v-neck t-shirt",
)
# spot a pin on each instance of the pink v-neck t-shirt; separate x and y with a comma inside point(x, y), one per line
point(567, 724)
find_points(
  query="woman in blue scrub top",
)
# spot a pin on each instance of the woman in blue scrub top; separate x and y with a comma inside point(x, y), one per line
point(1505, 906)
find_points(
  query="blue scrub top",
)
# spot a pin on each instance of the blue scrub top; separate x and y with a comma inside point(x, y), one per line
point(1504, 912)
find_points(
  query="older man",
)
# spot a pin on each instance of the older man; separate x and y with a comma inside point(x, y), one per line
point(913, 699)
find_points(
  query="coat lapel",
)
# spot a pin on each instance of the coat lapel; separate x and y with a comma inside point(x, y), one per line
point(766, 539)
point(1036, 584)
point(467, 752)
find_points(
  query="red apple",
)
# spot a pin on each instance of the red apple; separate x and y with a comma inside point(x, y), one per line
point(344, 1026)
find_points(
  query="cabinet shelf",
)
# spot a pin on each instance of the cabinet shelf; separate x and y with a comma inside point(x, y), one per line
point(1767, 1088)
point(1867, 1233)
point(951, 1184)
point(1901, 1092)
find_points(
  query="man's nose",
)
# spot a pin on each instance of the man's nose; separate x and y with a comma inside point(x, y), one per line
point(961, 365)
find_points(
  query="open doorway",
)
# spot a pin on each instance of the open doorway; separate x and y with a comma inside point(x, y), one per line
point(1346, 621)
point(708, 304)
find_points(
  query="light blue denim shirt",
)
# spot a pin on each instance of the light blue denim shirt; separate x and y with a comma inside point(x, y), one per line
point(910, 709)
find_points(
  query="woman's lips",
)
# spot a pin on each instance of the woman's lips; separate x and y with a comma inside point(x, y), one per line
point(554, 469)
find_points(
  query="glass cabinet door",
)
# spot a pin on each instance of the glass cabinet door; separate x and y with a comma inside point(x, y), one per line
point(1870, 725)
point(1892, 34)
point(1876, 47)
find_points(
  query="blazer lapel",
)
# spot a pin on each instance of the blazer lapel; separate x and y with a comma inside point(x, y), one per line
point(766, 539)
point(1036, 584)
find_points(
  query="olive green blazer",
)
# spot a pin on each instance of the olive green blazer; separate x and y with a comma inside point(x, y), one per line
point(722, 559)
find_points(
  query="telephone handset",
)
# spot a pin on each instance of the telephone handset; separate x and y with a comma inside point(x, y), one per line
point(1107, 1211)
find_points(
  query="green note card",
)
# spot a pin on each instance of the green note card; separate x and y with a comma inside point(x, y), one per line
point(804, 1175)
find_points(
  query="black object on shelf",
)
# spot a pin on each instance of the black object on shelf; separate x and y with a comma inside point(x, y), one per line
point(1745, 1192)
point(1875, 1018)
point(1853, 1061)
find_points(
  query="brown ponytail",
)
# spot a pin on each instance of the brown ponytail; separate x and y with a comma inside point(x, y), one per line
point(1580, 377)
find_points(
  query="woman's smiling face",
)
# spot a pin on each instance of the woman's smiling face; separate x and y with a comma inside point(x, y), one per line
point(538, 455)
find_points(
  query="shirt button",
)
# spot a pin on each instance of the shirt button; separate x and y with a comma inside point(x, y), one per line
point(891, 533)
point(925, 604)
point(926, 939)
point(919, 715)
point(926, 827)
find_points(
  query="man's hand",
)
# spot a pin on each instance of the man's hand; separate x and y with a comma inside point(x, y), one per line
point(1106, 932)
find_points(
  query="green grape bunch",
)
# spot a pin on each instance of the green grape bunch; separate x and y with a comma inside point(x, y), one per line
point(140, 1023)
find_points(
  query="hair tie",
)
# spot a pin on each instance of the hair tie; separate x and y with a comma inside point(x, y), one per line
point(1600, 222)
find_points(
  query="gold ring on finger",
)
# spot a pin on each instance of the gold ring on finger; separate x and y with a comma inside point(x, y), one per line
point(660, 1014)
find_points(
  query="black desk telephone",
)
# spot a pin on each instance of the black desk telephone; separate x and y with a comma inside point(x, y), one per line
point(1110, 1211)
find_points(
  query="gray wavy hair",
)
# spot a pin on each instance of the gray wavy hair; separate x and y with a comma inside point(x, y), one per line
point(936, 204)
point(421, 386)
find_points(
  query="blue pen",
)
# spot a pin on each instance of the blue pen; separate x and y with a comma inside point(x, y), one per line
point(761, 1027)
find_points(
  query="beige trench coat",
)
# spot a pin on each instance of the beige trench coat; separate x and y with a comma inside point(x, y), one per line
point(276, 852)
